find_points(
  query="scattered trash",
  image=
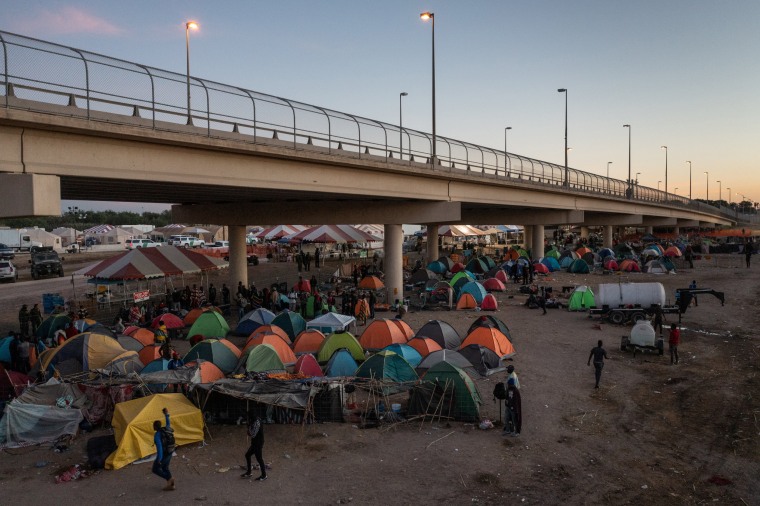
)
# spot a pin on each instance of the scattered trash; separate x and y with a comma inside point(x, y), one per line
point(41, 463)
point(287, 456)
point(486, 424)
point(645, 487)
point(222, 469)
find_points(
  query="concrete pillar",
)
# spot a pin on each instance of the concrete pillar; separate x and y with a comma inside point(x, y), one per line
point(584, 232)
point(238, 258)
point(394, 275)
point(607, 236)
point(528, 239)
point(537, 247)
point(432, 243)
point(649, 230)
point(677, 231)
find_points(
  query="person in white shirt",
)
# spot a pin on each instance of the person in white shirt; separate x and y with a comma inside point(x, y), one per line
point(512, 375)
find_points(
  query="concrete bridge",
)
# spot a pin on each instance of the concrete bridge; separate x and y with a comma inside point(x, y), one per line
point(77, 125)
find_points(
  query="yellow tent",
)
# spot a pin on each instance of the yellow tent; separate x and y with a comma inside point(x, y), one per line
point(133, 426)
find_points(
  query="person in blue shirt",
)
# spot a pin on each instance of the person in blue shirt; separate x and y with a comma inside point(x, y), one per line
point(163, 455)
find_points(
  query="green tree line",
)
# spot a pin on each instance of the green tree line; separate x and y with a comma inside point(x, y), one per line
point(80, 219)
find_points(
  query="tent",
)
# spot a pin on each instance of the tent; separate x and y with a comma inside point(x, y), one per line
point(610, 264)
point(291, 322)
point(281, 347)
point(551, 263)
point(551, 252)
point(308, 366)
point(578, 266)
point(475, 289)
point(308, 341)
point(82, 353)
point(565, 262)
point(582, 251)
point(51, 324)
point(489, 303)
point(341, 363)
point(407, 352)
point(279, 231)
point(83, 324)
point(466, 301)
point(332, 234)
point(461, 275)
point(331, 322)
point(437, 267)
point(424, 345)
point(261, 358)
point(5, 350)
point(170, 321)
point(453, 357)
point(492, 339)
point(422, 276)
point(477, 266)
point(483, 359)
point(195, 313)
point(658, 267)
point(268, 329)
point(253, 320)
point(133, 425)
point(371, 283)
point(148, 263)
point(673, 251)
point(221, 352)
point(405, 328)
point(143, 335)
point(209, 324)
point(207, 371)
point(540, 268)
point(466, 399)
point(629, 265)
point(387, 365)
point(335, 342)
point(442, 333)
point(381, 333)
point(160, 364)
point(494, 285)
point(491, 321)
point(501, 275)
point(149, 353)
point(581, 299)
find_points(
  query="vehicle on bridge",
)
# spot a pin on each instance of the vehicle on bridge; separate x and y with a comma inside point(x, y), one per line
point(45, 262)
point(186, 241)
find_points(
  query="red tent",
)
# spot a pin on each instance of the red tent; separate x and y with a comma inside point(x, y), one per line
point(308, 366)
point(333, 233)
point(147, 263)
point(494, 285)
point(489, 303)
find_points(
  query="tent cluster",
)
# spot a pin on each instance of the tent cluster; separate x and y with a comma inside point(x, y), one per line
point(653, 258)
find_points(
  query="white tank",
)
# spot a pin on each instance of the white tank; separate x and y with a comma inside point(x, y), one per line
point(643, 334)
point(622, 294)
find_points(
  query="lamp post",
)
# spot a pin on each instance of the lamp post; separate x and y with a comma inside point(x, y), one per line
point(720, 191)
point(666, 170)
point(707, 186)
point(729, 196)
point(630, 181)
point(637, 184)
point(658, 185)
point(689, 162)
point(675, 191)
point(400, 127)
point(425, 16)
point(189, 25)
point(506, 156)
point(608, 176)
point(567, 179)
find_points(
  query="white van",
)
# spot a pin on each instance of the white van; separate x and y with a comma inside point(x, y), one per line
point(141, 243)
point(186, 241)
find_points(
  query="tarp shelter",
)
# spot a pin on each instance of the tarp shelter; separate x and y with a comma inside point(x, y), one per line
point(82, 353)
point(465, 402)
point(281, 347)
point(335, 342)
point(308, 341)
point(221, 352)
point(23, 424)
point(387, 365)
point(381, 333)
point(491, 338)
point(489, 303)
point(581, 299)
point(332, 323)
point(308, 366)
point(209, 324)
point(407, 352)
point(261, 358)
point(253, 320)
point(442, 333)
point(268, 329)
point(466, 301)
point(424, 345)
point(133, 425)
point(291, 322)
point(149, 263)
point(491, 321)
point(341, 364)
point(578, 266)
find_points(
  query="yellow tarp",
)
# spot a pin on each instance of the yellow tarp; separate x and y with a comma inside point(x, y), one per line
point(133, 426)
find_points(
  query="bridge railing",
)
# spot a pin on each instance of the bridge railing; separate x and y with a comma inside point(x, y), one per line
point(52, 78)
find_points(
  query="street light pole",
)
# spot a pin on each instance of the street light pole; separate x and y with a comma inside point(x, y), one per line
point(188, 26)
point(425, 16)
point(400, 127)
point(658, 185)
point(608, 176)
point(506, 156)
point(630, 181)
point(567, 178)
point(666, 170)
point(689, 162)
point(729, 196)
point(707, 187)
point(720, 191)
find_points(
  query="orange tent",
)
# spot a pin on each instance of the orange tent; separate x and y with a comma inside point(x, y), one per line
point(371, 283)
point(424, 345)
point(193, 315)
point(490, 338)
point(381, 333)
point(308, 341)
point(208, 370)
point(145, 336)
point(281, 347)
point(582, 251)
point(511, 254)
point(466, 301)
point(269, 329)
point(149, 354)
point(405, 328)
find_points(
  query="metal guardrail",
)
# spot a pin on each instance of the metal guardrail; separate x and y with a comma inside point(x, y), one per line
point(38, 71)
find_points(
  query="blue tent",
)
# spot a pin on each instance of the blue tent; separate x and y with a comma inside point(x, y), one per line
point(253, 320)
point(291, 322)
point(578, 266)
point(5, 349)
point(565, 262)
point(551, 263)
point(475, 289)
point(606, 252)
point(160, 364)
point(407, 352)
point(437, 267)
point(341, 364)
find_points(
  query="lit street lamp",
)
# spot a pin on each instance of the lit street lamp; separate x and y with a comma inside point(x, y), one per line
point(608, 176)
point(189, 25)
point(666, 168)
point(506, 156)
point(707, 186)
point(729, 195)
point(675, 191)
point(689, 162)
point(567, 179)
point(400, 128)
point(630, 181)
point(425, 16)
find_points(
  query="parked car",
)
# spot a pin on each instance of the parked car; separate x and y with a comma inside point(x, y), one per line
point(141, 243)
point(222, 244)
point(186, 241)
point(8, 271)
point(6, 252)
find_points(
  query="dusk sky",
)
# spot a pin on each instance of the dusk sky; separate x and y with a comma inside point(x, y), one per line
point(681, 72)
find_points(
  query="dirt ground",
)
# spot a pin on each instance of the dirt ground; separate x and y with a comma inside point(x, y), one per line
point(653, 433)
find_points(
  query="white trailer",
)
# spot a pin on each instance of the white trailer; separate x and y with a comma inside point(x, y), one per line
point(17, 239)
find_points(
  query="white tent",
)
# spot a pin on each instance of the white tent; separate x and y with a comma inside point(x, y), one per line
point(331, 323)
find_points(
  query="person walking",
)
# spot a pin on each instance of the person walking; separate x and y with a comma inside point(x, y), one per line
point(659, 318)
point(674, 339)
point(23, 320)
point(35, 318)
point(693, 286)
point(513, 410)
point(256, 433)
point(748, 253)
point(598, 354)
point(372, 302)
point(165, 446)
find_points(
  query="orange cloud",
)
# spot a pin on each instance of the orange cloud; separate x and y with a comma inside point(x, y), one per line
point(66, 21)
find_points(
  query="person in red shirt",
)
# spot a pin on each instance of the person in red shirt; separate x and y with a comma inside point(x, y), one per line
point(673, 341)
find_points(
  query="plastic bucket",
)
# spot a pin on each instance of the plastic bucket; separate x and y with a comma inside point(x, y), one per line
point(396, 408)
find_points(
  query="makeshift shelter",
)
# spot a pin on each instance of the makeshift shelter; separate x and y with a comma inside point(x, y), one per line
point(466, 301)
point(308, 341)
point(261, 358)
point(335, 342)
point(442, 333)
point(381, 333)
point(209, 324)
point(424, 345)
point(25, 424)
point(489, 303)
point(281, 347)
point(291, 322)
point(578, 266)
point(494, 285)
point(133, 425)
point(460, 398)
point(407, 352)
point(253, 320)
point(341, 364)
point(82, 353)
point(371, 283)
point(581, 299)
point(221, 352)
point(268, 329)
point(308, 366)
point(492, 339)
point(483, 359)
point(387, 366)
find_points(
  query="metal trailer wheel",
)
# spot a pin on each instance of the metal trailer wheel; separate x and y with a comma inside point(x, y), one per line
point(617, 317)
point(638, 316)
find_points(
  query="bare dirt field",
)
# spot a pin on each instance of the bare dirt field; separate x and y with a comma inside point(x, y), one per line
point(653, 433)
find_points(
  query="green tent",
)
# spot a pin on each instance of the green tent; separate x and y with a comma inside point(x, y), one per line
point(292, 323)
point(209, 324)
point(581, 299)
point(261, 358)
point(52, 324)
point(335, 342)
point(579, 266)
point(387, 365)
point(459, 275)
point(552, 252)
point(466, 399)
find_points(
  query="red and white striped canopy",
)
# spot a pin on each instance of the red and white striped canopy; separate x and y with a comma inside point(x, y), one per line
point(333, 233)
point(280, 231)
point(146, 263)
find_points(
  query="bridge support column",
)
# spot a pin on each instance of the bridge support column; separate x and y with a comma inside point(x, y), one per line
point(394, 276)
point(649, 230)
point(238, 257)
point(432, 242)
point(528, 236)
point(677, 231)
point(537, 246)
point(584, 232)
point(607, 236)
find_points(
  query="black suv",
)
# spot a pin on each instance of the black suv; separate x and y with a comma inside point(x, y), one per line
point(45, 262)
point(6, 252)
